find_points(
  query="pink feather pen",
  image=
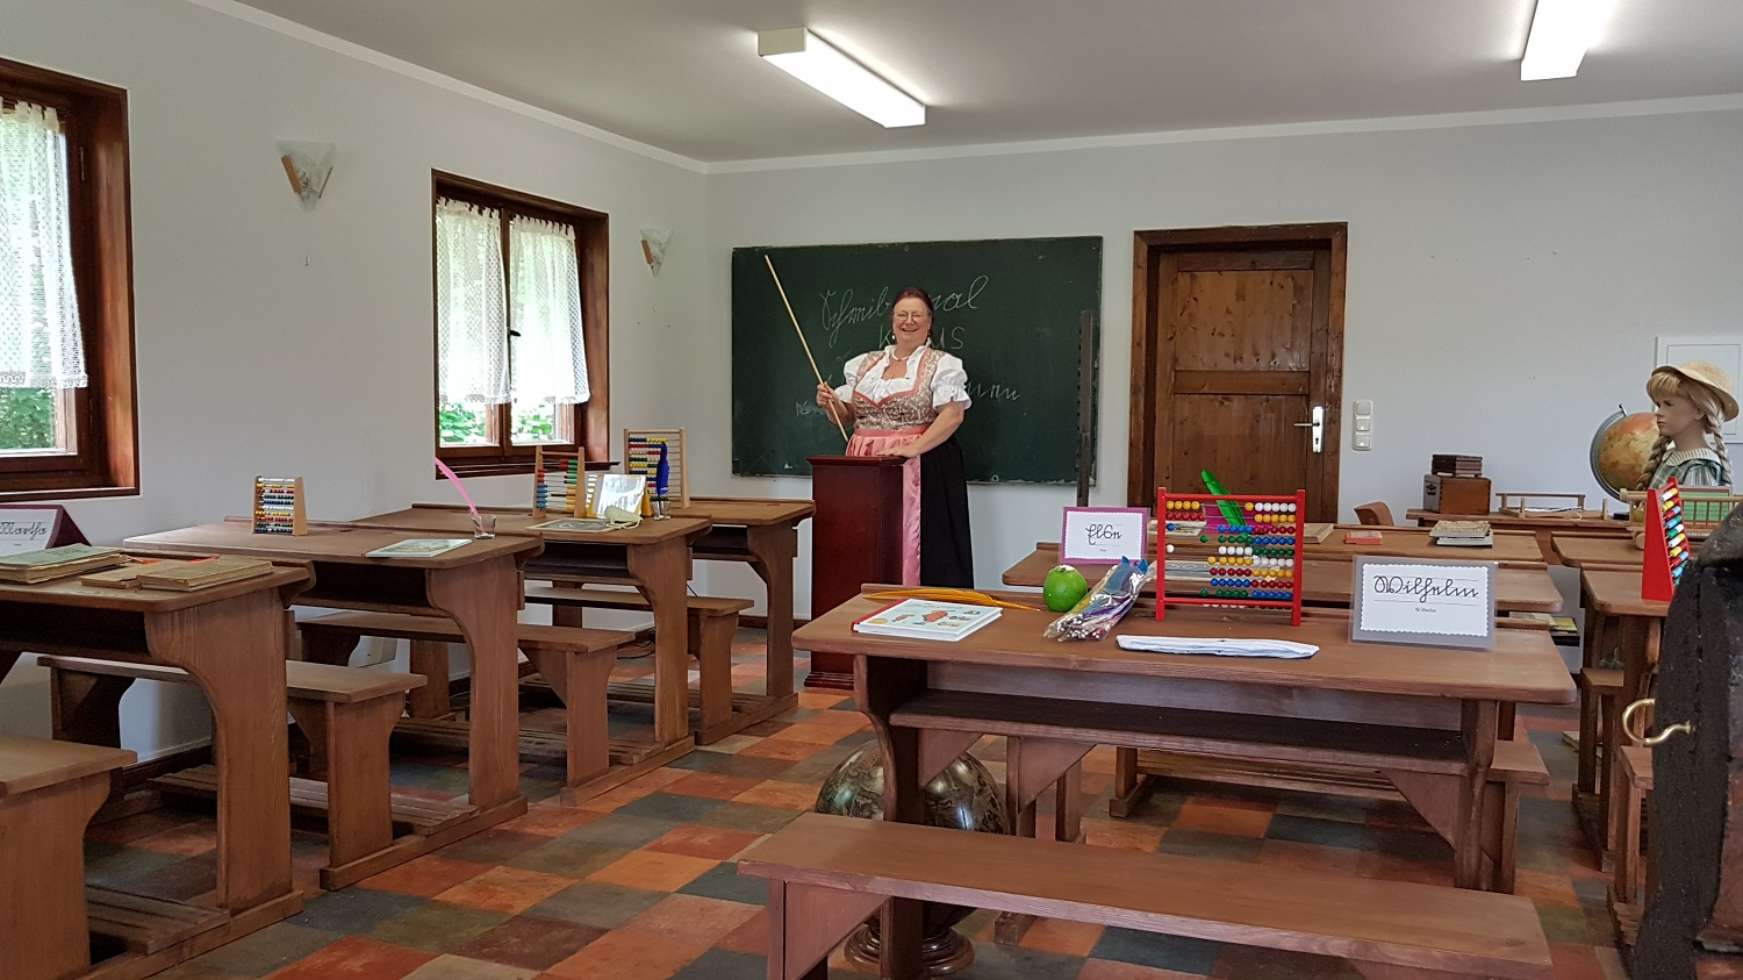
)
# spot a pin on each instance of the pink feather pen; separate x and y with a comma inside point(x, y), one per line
point(477, 519)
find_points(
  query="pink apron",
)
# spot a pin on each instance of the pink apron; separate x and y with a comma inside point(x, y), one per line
point(882, 426)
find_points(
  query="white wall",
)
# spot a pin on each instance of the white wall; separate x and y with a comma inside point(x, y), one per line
point(1505, 282)
point(276, 340)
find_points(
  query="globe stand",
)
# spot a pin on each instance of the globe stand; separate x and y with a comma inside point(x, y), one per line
point(942, 953)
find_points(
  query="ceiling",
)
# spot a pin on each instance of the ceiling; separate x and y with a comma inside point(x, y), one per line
point(683, 75)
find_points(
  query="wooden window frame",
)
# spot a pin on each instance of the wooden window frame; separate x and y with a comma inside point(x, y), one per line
point(590, 420)
point(105, 462)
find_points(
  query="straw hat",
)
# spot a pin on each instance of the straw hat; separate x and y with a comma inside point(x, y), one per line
point(1710, 375)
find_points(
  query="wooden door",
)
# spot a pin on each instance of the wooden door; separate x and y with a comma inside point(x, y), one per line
point(1237, 340)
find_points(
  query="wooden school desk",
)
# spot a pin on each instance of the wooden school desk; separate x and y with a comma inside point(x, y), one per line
point(1324, 582)
point(1616, 619)
point(1425, 718)
point(477, 586)
point(1516, 548)
point(765, 535)
point(1598, 551)
point(231, 639)
point(1544, 526)
point(653, 556)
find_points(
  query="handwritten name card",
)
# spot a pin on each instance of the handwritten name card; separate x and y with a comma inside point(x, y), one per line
point(1433, 603)
point(1104, 534)
point(24, 530)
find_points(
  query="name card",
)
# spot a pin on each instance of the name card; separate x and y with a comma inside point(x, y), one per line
point(27, 529)
point(1417, 601)
point(1104, 534)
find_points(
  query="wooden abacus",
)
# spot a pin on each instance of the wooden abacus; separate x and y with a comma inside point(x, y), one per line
point(1667, 543)
point(562, 485)
point(641, 454)
point(1258, 542)
point(279, 507)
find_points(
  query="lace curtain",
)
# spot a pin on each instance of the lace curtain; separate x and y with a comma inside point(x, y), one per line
point(40, 342)
point(471, 335)
point(550, 358)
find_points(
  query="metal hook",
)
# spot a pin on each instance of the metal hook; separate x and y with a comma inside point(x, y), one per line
point(1680, 728)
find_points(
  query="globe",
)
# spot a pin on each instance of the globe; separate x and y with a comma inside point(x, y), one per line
point(1620, 449)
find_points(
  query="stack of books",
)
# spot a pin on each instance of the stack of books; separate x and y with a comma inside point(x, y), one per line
point(50, 564)
point(1462, 534)
point(1446, 464)
point(174, 575)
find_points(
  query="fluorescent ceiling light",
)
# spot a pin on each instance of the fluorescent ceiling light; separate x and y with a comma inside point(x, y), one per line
point(800, 53)
point(1561, 31)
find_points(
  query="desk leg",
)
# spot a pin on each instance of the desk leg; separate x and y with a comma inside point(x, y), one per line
point(1479, 722)
point(1640, 641)
point(1586, 781)
point(881, 686)
point(662, 571)
point(482, 599)
point(42, 907)
point(235, 650)
point(772, 549)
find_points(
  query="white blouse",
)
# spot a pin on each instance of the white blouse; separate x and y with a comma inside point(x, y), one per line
point(949, 381)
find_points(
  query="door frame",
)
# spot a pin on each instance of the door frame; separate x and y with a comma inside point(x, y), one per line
point(1150, 348)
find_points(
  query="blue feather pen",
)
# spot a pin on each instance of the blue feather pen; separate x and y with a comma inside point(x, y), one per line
point(662, 473)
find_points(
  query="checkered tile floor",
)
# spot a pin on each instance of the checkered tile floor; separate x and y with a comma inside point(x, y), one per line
point(640, 883)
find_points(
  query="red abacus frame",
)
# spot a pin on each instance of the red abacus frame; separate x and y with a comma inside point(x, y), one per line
point(1214, 501)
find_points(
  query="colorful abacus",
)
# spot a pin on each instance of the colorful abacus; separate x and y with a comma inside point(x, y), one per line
point(279, 506)
point(1257, 542)
point(1667, 543)
point(556, 477)
point(641, 454)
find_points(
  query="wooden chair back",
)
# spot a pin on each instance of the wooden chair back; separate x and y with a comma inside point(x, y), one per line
point(1375, 513)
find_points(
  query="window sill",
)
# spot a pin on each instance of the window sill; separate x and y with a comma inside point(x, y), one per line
point(18, 496)
point(510, 467)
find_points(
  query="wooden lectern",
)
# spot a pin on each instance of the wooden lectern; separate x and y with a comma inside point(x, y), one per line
point(856, 537)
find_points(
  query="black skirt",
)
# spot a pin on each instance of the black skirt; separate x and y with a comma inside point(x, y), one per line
point(946, 553)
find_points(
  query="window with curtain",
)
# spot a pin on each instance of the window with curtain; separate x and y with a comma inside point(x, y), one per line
point(66, 329)
point(513, 325)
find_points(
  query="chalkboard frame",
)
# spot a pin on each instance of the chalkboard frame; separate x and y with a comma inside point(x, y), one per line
point(764, 347)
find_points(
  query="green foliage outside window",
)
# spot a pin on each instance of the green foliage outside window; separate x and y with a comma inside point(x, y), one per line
point(27, 418)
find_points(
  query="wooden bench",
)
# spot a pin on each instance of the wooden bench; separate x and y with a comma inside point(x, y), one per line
point(1631, 882)
point(827, 874)
point(48, 793)
point(713, 624)
point(575, 662)
point(346, 713)
point(1600, 700)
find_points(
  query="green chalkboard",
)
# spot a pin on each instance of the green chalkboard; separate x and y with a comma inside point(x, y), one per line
point(1010, 309)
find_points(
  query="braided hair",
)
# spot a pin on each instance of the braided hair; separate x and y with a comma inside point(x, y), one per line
point(1665, 383)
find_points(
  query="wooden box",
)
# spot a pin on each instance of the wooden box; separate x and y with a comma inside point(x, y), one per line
point(1455, 494)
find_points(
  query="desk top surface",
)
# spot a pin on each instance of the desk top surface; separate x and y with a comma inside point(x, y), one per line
point(1512, 547)
point(747, 511)
point(1582, 520)
point(1323, 580)
point(342, 543)
point(1616, 592)
point(1523, 666)
point(1598, 550)
point(68, 592)
point(511, 521)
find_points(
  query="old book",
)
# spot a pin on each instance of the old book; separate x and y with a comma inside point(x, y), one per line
point(31, 567)
point(125, 577)
point(1316, 532)
point(192, 576)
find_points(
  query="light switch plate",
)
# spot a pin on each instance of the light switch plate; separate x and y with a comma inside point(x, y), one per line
point(1364, 441)
point(1364, 406)
point(1364, 424)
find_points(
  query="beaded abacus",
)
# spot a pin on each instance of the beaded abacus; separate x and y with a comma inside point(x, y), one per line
point(559, 483)
point(1667, 543)
point(279, 506)
point(1258, 549)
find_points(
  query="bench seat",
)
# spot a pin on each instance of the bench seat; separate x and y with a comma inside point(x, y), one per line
point(828, 873)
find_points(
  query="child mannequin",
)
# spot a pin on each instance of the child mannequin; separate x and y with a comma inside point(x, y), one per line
point(1690, 402)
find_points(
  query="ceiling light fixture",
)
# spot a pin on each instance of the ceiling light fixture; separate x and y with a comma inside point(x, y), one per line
point(800, 53)
point(1561, 31)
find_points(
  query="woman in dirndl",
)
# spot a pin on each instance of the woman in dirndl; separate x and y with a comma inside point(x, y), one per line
point(908, 400)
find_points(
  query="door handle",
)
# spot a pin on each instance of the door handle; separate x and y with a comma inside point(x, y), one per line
point(1317, 424)
point(1680, 728)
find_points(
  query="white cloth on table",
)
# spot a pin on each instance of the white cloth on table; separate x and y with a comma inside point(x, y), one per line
point(1278, 649)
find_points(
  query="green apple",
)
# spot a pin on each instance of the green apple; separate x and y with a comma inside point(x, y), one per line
point(1063, 587)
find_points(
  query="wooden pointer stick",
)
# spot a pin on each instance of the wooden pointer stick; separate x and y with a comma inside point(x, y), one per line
point(791, 316)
